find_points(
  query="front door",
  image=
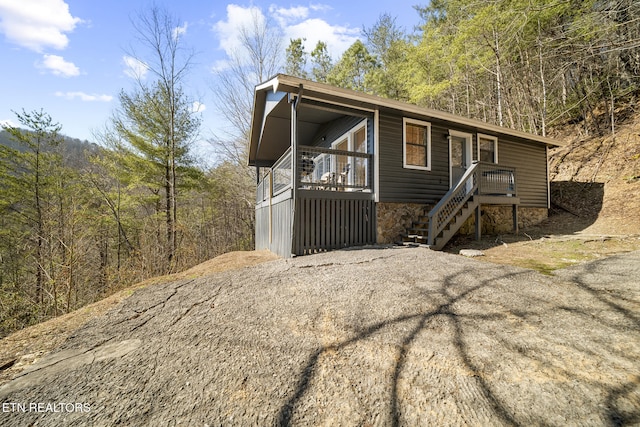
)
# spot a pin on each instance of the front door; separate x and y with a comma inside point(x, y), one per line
point(460, 154)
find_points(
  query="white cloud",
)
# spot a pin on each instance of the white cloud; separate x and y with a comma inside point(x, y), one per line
point(337, 38)
point(178, 31)
point(198, 107)
point(84, 96)
point(319, 7)
point(135, 68)
point(58, 66)
point(294, 22)
point(37, 24)
point(287, 16)
point(238, 18)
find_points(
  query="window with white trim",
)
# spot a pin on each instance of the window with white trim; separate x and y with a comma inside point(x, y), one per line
point(487, 149)
point(416, 144)
point(354, 170)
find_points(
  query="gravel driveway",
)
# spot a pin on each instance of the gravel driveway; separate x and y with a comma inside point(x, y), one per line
point(395, 336)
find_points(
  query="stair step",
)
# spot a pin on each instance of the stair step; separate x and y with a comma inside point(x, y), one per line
point(416, 236)
point(418, 231)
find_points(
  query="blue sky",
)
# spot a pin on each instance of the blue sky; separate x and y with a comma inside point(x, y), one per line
point(68, 56)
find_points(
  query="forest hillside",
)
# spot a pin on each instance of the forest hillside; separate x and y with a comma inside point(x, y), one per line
point(598, 177)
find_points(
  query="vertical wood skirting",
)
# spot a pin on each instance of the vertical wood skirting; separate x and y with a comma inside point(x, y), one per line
point(478, 212)
point(324, 224)
point(273, 227)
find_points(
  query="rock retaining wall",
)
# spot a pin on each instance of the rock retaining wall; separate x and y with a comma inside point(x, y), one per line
point(499, 219)
point(393, 219)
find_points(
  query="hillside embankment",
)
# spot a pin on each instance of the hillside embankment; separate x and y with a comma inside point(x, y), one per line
point(598, 178)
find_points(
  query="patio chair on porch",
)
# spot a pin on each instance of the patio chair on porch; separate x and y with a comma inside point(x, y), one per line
point(342, 177)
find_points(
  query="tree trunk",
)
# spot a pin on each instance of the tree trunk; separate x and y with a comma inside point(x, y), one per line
point(39, 230)
point(498, 79)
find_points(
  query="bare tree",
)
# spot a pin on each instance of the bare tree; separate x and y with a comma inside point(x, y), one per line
point(258, 58)
point(168, 123)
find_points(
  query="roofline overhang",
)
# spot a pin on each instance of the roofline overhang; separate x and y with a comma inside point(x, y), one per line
point(316, 90)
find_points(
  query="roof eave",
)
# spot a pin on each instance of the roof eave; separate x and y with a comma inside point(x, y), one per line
point(257, 115)
point(291, 84)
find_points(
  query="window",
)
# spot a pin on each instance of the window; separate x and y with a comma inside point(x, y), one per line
point(359, 175)
point(416, 146)
point(353, 168)
point(487, 148)
point(322, 165)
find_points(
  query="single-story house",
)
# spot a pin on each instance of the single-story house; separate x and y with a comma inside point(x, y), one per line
point(339, 168)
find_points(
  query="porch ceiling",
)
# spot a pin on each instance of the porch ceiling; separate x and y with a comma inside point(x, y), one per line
point(276, 130)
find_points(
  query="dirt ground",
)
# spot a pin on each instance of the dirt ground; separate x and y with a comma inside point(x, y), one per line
point(24, 347)
point(374, 336)
point(561, 241)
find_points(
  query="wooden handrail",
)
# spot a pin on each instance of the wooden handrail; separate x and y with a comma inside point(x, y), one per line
point(452, 202)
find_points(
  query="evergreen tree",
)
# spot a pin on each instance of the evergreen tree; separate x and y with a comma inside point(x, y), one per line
point(296, 59)
point(321, 62)
point(28, 174)
point(355, 69)
point(388, 45)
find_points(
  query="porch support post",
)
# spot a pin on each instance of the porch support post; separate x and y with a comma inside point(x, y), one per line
point(294, 101)
point(515, 218)
point(478, 212)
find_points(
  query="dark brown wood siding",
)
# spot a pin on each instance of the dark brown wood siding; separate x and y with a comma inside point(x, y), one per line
point(398, 184)
point(530, 161)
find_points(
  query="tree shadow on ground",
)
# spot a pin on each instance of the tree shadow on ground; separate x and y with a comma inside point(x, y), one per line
point(581, 310)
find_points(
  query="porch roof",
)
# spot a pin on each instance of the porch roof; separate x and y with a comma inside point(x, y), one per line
point(270, 122)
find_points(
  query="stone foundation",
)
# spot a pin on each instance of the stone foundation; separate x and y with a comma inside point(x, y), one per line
point(393, 219)
point(499, 219)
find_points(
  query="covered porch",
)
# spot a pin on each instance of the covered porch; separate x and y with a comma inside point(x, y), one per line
point(314, 166)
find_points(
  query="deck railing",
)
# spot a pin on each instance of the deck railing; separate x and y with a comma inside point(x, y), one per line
point(322, 169)
point(333, 170)
point(281, 172)
point(263, 190)
point(482, 179)
point(496, 179)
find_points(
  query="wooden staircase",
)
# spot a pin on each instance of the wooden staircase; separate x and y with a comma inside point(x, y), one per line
point(418, 233)
point(482, 183)
point(445, 219)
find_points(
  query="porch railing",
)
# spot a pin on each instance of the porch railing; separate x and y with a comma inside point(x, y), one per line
point(334, 170)
point(496, 179)
point(281, 173)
